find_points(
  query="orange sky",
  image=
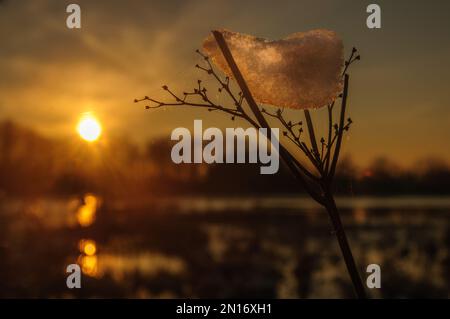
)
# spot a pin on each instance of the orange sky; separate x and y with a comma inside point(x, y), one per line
point(50, 75)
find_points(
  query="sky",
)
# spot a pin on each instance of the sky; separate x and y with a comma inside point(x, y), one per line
point(50, 75)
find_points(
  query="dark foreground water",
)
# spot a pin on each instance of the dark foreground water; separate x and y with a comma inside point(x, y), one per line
point(215, 248)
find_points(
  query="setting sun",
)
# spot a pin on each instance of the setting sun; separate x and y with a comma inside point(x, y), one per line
point(89, 128)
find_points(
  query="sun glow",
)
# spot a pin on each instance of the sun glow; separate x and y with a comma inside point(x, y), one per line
point(89, 128)
point(87, 246)
point(86, 213)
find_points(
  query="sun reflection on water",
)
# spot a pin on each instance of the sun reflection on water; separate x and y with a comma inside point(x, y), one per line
point(86, 213)
point(88, 259)
point(89, 265)
point(87, 246)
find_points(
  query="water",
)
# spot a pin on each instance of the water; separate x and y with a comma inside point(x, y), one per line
point(221, 247)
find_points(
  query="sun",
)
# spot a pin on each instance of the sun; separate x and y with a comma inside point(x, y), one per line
point(89, 128)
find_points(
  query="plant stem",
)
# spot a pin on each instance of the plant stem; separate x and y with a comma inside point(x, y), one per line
point(312, 136)
point(324, 197)
point(340, 129)
point(332, 210)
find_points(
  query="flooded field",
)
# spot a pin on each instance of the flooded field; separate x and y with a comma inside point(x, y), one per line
point(221, 247)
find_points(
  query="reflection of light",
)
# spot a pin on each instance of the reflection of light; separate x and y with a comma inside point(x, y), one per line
point(88, 247)
point(360, 215)
point(89, 265)
point(89, 128)
point(148, 264)
point(86, 213)
point(88, 259)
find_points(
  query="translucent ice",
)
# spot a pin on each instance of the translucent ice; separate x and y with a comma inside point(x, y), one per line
point(300, 71)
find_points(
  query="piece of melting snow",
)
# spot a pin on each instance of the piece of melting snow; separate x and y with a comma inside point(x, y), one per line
point(300, 71)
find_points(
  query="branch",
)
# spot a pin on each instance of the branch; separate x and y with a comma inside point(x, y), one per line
point(312, 136)
point(321, 161)
point(292, 163)
point(340, 129)
point(330, 125)
point(210, 105)
point(294, 138)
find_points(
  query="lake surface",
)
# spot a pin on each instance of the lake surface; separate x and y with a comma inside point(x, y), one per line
point(274, 247)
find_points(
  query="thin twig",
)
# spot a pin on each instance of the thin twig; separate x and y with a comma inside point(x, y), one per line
point(312, 135)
